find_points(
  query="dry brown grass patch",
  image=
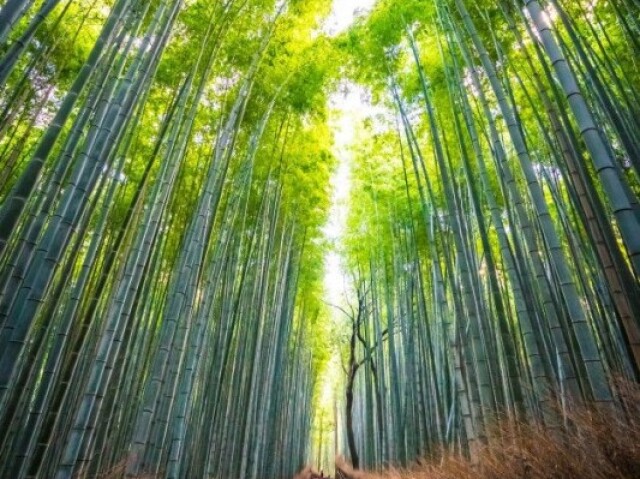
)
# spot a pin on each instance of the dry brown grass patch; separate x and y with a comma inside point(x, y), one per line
point(597, 444)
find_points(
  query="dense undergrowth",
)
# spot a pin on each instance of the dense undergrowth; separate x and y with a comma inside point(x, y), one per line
point(594, 445)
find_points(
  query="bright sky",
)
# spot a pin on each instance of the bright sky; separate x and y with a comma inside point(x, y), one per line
point(344, 13)
point(348, 109)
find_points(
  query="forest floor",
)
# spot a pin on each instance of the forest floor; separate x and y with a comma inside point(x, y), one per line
point(596, 445)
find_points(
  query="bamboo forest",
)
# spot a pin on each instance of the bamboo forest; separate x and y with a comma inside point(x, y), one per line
point(267, 239)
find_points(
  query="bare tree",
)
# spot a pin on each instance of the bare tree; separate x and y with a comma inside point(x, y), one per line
point(358, 317)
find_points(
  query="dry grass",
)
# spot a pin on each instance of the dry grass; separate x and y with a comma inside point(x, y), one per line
point(598, 445)
point(118, 472)
point(307, 473)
